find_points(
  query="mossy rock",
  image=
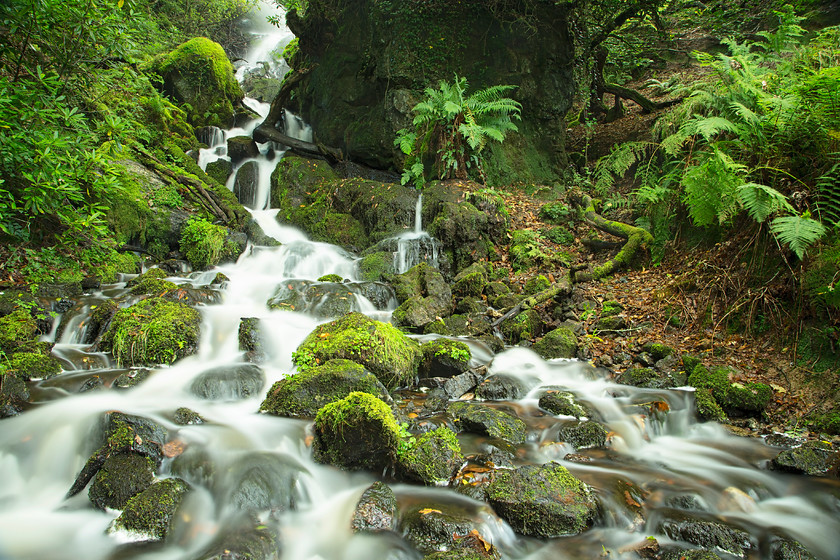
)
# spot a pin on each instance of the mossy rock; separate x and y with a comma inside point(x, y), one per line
point(303, 394)
point(205, 244)
point(522, 327)
point(433, 459)
point(423, 295)
point(486, 420)
point(199, 74)
point(432, 527)
point(220, 170)
point(381, 348)
point(501, 387)
point(470, 281)
point(17, 331)
point(558, 343)
point(240, 148)
point(259, 481)
point(152, 512)
point(562, 403)
point(153, 281)
point(228, 383)
point(152, 331)
point(734, 398)
point(611, 308)
point(536, 285)
point(376, 267)
point(32, 365)
point(542, 501)
point(707, 407)
point(710, 535)
point(356, 432)
point(242, 539)
point(814, 458)
point(444, 357)
point(645, 377)
point(658, 351)
point(495, 289)
point(121, 477)
point(376, 510)
point(583, 435)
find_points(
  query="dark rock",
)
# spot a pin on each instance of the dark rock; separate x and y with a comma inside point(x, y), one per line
point(92, 383)
point(444, 357)
point(471, 547)
point(357, 432)
point(611, 324)
point(121, 477)
point(674, 552)
point(220, 170)
point(710, 535)
point(14, 388)
point(470, 306)
point(562, 403)
point(246, 183)
point(242, 540)
point(436, 401)
point(131, 379)
point(470, 281)
point(186, 417)
point(260, 481)
point(522, 327)
point(433, 459)
point(151, 512)
point(257, 236)
point(482, 419)
point(559, 343)
point(645, 377)
point(657, 351)
point(542, 501)
point(424, 296)
point(376, 510)
point(305, 393)
point(241, 148)
point(435, 527)
point(501, 387)
point(250, 340)
point(229, 383)
point(583, 435)
point(814, 458)
point(786, 549)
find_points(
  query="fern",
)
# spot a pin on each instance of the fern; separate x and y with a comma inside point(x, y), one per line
point(828, 196)
point(797, 232)
point(760, 201)
point(618, 162)
point(710, 189)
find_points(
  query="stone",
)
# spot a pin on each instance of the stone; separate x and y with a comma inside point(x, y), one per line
point(376, 510)
point(483, 419)
point(228, 383)
point(152, 512)
point(433, 459)
point(501, 387)
point(122, 476)
point(583, 435)
point(562, 403)
point(558, 343)
point(424, 296)
point(444, 357)
point(814, 458)
point(241, 148)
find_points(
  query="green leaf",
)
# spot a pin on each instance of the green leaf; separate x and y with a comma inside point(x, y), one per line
point(797, 232)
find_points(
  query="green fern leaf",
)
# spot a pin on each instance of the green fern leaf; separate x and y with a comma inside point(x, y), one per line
point(760, 201)
point(797, 232)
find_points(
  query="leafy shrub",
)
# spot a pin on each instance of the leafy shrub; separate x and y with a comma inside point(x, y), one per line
point(559, 235)
point(555, 213)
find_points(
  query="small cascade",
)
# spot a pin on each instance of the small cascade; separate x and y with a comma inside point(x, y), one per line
point(416, 246)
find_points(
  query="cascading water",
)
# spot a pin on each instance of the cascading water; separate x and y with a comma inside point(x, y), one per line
point(416, 246)
point(669, 456)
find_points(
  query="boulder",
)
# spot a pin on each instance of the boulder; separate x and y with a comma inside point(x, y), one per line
point(246, 184)
point(733, 398)
point(709, 535)
point(562, 403)
point(501, 387)
point(814, 458)
point(121, 477)
point(381, 348)
point(433, 527)
point(423, 295)
point(32, 365)
point(583, 435)
point(242, 539)
point(250, 340)
point(444, 357)
point(645, 377)
point(240, 148)
point(152, 512)
point(558, 343)
point(357, 432)
point(483, 419)
point(220, 170)
point(543, 501)
point(522, 327)
point(199, 74)
point(152, 331)
point(303, 394)
point(470, 281)
point(153, 282)
point(433, 459)
point(228, 383)
point(376, 510)
point(259, 481)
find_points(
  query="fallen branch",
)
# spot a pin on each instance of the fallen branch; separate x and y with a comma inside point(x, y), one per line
point(265, 132)
point(563, 287)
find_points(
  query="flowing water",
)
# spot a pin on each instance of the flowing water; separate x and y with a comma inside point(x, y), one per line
point(668, 456)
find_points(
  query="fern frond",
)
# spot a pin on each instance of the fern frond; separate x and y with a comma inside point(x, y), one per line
point(797, 232)
point(760, 201)
point(709, 127)
point(828, 195)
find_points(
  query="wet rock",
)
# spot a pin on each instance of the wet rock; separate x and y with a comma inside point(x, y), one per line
point(357, 432)
point(305, 393)
point(482, 419)
point(435, 527)
point(562, 403)
point(524, 326)
point(433, 459)
point(153, 281)
point(814, 458)
point(688, 502)
point(246, 183)
point(290, 296)
point(559, 343)
point(251, 341)
point(376, 510)
point(32, 365)
point(14, 388)
point(542, 501)
point(710, 535)
point(153, 331)
point(220, 170)
point(121, 477)
point(260, 481)
point(152, 512)
point(330, 299)
point(444, 357)
point(673, 552)
point(786, 549)
point(241, 148)
point(733, 398)
point(645, 377)
point(457, 386)
point(423, 295)
point(131, 379)
point(92, 383)
point(377, 266)
point(500, 387)
point(436, 401)
point(462, 325)
point(584, 435)
point(228, 383)
point(187, 417)
point(470, 281)
point(471, 547)
point(242, 540)
point(196, 466)
point(707, 407)
point(380, 347)
point(611, 324)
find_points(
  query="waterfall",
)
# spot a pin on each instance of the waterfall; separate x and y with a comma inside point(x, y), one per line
point(415, 246)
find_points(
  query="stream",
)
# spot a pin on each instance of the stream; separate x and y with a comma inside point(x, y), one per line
point(673, 459)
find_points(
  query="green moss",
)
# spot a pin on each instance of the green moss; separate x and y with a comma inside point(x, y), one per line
point(559, 234)
point(445, 348)
point(558, 343)
point(707, 407)
point(376, 267)
point(380, 347)
point(205, 244)
point(690, 363)
point(658, 351)
point(828, 423)
point(611, 308)
point(153, 331)
point(331, 278)
point(306, 392)
point(536, 285)
point(18, 329)
point(732, 397)
point(524, 326)
point(154, 286)
point(434, 457)
point(486, 420)
point(152, 511)
point(29, 365)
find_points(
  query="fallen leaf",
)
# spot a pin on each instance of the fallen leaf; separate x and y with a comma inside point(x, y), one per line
point(426, 511)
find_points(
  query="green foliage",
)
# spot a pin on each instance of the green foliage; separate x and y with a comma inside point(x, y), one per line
point(452, 128)
point(203, 243)
point(555, 213)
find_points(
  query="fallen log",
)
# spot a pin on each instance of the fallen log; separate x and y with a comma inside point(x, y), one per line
point(266, 132)
point(563, 287)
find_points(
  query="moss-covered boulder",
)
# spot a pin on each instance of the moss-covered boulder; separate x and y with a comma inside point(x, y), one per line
point(470, 281)
point(444, 357)
point(562, 403)
point(433, 459)
point(381, 348)
point(384, 209)
point(151, 513)
point(199, 75)
point(583, 435)
point(153, 282)
point(645, 377)
point(423, 295)
point(205, 244)
point(356, 432)
point(246, 183)
point(486, 420)
point(17, 331)
point(152, 331)
point(228, 383)
point(814, 458)
point(710, 535)
point(220, 170)
point(707, 407)
point(32, 365)
point(542, 501)
point(522, 327)
point(121, 477)
point(558, 343)
point(433, 527)
point(376, 266)
point(240, 148)
point(376, 510)
point(536, 284)
point(303, 394)
point(733, 398)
